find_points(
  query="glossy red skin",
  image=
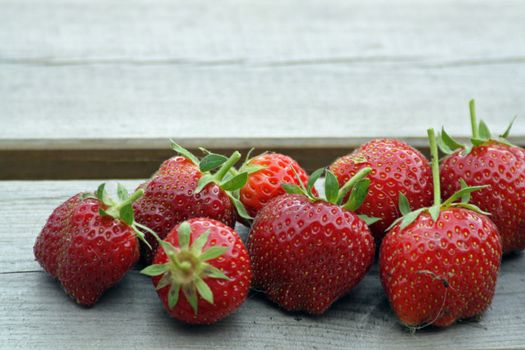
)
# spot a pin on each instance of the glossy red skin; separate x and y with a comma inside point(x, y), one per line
point(49, 243)
point(235, 263)
point(169, 199)
point(502, 168)
point(87, 253)
point(265, 184)
point(176, 165)
point(461, 250)
point(396, 167)
point(307, 255)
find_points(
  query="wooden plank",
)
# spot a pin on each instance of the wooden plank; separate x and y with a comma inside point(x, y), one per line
point(279, 32)
point(283, 30)
point(116, 71)
point(35, 313)
point(129, 163)
point(113, 105)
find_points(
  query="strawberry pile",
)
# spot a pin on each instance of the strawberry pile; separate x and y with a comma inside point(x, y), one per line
point(308, 245)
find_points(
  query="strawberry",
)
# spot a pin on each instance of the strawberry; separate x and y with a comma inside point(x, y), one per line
point(440, 264)
point(496, 163)
point(396, 167)
point(184, 187)
point(308, 252)
point(267, 172)
point(202, 273)
point(89, 243)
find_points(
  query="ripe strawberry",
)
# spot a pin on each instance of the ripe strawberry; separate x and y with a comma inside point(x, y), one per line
point(206, 261)
point(308, 252)
point(89, 243)
point(440, 264)
point(266, 174)
point(396, 167)
point(496, 163)
point(183, 188)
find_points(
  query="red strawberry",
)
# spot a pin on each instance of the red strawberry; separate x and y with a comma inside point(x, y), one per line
point(176, 166)
point(89, 243)
point(266, 174)
point(308, 252)
point(396, 167)
point(202, 273)
point(50, 242)
point(184, 188)
point(496, 163)
point(440, 264)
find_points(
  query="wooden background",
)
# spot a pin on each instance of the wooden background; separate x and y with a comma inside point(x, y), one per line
point(94, 88)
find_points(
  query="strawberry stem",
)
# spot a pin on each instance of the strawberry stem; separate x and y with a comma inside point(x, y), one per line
point(132, 198)
point(114, 207)
point(435, 166)
point(473, 121)
point(185, 266)
point(350, 183)
point(227, 165)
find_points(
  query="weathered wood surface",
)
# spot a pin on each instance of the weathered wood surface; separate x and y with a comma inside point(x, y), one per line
point(131, 73)
point(93, 89)
point(35, 313)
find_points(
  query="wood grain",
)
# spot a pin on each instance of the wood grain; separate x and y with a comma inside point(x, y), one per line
point(35, 313)
point(117, 71)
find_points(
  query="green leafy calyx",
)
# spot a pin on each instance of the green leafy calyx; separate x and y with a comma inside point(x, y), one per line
point(333, 193)
point(121, 208)
point(409, 216)
point(480, 135)
point(187, 268)
point(220, 170)
point(248, 166)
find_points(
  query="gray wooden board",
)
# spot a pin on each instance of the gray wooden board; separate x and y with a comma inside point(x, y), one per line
point(131, 73)
point(35, 313)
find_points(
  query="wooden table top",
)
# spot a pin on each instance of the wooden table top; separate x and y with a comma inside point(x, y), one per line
point(35, 312)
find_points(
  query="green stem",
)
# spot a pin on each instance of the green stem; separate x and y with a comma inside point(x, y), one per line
point(227, 165)
point(185, 266)
point(134, 196)
point(355, 179)
point(114, 210)
point(147, 229)
point(435, 166)
point(473, 121)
